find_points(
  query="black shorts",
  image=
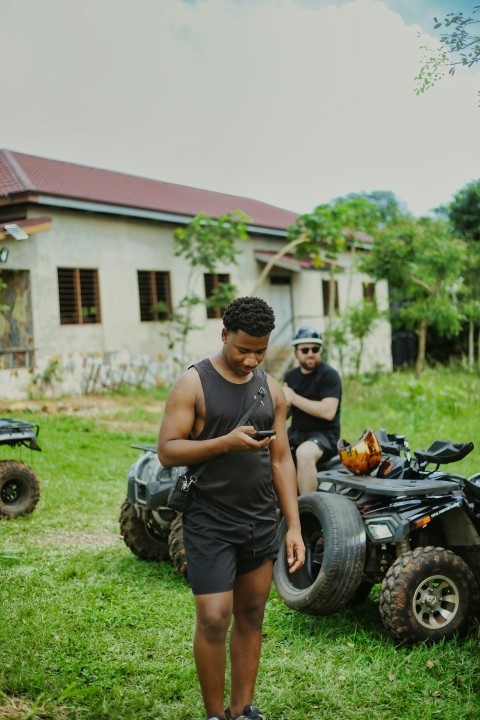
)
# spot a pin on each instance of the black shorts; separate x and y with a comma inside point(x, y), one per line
point(326, 443)
point(220, 548)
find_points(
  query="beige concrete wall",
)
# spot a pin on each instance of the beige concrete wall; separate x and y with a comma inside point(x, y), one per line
point(118, 247)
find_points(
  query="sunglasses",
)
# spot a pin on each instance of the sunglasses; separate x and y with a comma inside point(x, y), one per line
point(314, 350)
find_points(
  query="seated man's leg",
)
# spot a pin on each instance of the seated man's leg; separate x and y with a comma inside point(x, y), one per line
point(308, 454)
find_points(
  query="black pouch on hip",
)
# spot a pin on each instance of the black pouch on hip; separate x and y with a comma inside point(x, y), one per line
point(180, 495)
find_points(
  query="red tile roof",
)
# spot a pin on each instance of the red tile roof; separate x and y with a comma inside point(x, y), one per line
point(21, 173)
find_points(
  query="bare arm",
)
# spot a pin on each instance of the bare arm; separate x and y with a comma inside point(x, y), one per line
point(325, 409)
point(183, 419)
point(284, 480)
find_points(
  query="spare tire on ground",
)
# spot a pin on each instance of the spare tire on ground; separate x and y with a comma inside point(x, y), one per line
point(335, 542)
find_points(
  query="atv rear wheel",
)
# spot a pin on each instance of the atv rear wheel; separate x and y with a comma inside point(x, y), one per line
point(19, 489)
point(177, 547)
point(141, 536)
point(335, 543)
point(427, 594)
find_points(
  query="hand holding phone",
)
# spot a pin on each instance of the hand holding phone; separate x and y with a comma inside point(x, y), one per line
point(262, 434)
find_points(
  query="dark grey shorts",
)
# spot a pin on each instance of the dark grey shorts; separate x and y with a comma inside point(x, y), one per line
point(326, 443)
point(220, 549)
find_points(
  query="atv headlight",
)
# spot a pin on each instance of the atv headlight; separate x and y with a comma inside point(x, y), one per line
point(381, 529)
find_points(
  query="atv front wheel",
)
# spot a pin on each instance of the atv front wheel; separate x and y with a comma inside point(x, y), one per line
point(427, 594)
point(141, 536)
point(19, 489)
point(177, 547)
point(335, 543)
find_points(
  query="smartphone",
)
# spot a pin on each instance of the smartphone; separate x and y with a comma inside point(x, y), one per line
point(261, 434)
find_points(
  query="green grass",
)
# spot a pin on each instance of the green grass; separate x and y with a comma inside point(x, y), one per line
point(89, 632)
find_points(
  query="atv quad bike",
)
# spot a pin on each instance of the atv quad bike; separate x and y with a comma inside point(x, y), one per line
point(149, 528)
point(19, 485)
point(413, 529)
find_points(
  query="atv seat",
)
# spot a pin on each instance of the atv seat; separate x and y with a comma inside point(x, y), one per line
point(442, 452)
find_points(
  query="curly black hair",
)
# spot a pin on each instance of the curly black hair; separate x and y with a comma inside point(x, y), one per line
point(250, 314)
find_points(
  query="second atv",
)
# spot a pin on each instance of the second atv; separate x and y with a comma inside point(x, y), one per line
point(19, 485)
point(149, 528)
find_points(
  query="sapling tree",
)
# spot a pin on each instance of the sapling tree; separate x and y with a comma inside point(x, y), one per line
point(205, 244)
point(348, 333)
point(361, 320)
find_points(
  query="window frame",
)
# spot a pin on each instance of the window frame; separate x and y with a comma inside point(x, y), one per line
point(211, 281)
point(326, 297)
point(84, 285)
point(155, 279)
point(369, 292)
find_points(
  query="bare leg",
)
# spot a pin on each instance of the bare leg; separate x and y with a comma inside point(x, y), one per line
point(213, 618)
point(307, 455)
point(250, 595)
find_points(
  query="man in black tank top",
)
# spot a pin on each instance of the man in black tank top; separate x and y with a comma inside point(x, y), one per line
point(230, 526)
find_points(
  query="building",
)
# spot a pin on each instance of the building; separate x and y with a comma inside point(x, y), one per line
point(86, 253)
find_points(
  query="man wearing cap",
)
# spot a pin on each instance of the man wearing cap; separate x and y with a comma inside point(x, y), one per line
point(313, 392)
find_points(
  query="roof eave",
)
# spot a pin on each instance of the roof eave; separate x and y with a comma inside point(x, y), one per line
point(145, 213)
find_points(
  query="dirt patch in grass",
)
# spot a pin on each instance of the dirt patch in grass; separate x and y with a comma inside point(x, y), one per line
point(97, 538)
point(133, 426)
point(106, 409)
point(16, 708)
point(78, 405)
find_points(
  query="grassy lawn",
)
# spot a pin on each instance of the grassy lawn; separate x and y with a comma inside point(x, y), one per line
point(90, 632)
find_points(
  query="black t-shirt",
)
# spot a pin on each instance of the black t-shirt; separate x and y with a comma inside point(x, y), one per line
point(323, 382)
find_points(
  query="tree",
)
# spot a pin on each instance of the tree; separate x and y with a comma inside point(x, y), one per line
point(464, 215)
point(459, 46)
point(390, 208)
point(464, 211)
point(423, 265)
point(325, 232)
point(205, 243)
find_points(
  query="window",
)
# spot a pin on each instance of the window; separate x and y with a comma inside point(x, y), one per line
point(154, 288)
point(212, 281)
point(326, 296)
point(280, 279)
point(78, 296)
point(369, 291)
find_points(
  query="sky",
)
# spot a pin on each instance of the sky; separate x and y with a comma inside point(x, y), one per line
point(291, 102)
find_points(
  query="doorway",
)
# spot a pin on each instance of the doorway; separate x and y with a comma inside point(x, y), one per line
point(16, 323)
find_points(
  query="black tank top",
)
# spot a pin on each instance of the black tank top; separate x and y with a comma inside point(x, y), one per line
point(239, 483)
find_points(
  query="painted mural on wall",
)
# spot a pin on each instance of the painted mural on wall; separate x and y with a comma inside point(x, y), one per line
point(16, 324)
